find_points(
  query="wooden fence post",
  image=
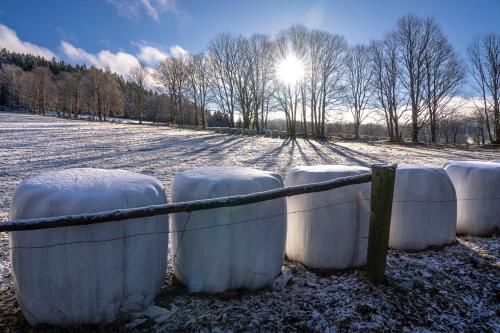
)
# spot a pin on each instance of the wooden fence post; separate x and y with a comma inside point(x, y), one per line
point(383, 177)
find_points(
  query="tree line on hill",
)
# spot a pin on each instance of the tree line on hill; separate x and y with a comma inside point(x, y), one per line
point(38, 85)
point(411, 80)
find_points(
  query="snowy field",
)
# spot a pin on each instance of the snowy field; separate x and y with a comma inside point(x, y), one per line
point(455, 288)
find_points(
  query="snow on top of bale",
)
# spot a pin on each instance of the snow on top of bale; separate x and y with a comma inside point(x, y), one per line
point(88, 180)
point(223, 173)
point(319, 173)
point(330, 168)
point(413, 181)
point(83, 190)
point(476, 164)
point(408, 166)
point(216, 182)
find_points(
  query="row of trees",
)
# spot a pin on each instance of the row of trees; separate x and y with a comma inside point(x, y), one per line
point(484, 56)
point(85, 92)
point(411, 80)
point(413, 76)
point(82, 92)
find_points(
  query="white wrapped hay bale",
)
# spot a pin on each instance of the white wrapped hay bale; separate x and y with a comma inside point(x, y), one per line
point(478, 195)
point(328, 229)
point(87, 274)
point(423, 209)
point(234, 247)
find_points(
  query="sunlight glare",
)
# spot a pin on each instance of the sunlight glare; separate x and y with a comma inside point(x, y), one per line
point(290, 70)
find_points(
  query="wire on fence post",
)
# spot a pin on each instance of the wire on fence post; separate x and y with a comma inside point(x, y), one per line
point(383, 177)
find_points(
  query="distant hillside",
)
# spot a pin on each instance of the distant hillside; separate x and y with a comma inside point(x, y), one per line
point(35, 84)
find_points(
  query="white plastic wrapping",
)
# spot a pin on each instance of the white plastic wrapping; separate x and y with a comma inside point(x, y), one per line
point(328, 229)
point(234, 247)
point(478, 195)
point(423, 209)
point(105, 270)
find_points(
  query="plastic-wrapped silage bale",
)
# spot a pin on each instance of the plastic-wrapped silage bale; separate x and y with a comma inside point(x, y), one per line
point(94, 273)
point(478, 195)
point(328, 229)
point(423, 209)
point(227, 248)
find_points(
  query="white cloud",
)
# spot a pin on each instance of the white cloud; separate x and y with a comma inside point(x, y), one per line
point(77, 54)
point(152, 12)
point(151, 55)
point(119, 62)
point(178, 51)
point(133, 8)
point(10, 41)
point(129, 9)
point(466, 104)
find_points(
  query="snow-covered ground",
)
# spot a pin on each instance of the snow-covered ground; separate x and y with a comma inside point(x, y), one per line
point(454, 288)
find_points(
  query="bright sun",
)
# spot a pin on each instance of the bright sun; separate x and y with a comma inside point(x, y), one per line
point(290, 70)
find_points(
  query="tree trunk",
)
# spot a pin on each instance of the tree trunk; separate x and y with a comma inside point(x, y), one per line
point(414, 125)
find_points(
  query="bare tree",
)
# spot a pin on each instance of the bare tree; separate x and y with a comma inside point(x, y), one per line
point(71, 90)
point(359, 79)
point(331, 75)
point(45, 90)
point(164, 76)
point(313, 82)
point(172, 75)
point(242, 76)
point(96, 87)
point(138, 77)
point(261, 61)
point(198, 72)
point(325, 62)
point(443, 77)
point(484, 59)
point(291, 41)
point(10, 79)
point(322, 55)
point(223, 54)
point(413, 35)
point(105, 93)
point(451, 123)
point(294, 41)
point(114, 95)
point(387, 84)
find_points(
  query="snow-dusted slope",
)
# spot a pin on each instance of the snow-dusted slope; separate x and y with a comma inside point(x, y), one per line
point(478, 195)
point(87, 274)
point(328, 229)
point(423, 209)
point(448, 290)
point(237, 247)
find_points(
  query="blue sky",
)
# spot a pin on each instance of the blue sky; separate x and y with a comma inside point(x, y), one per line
point(114, 31)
